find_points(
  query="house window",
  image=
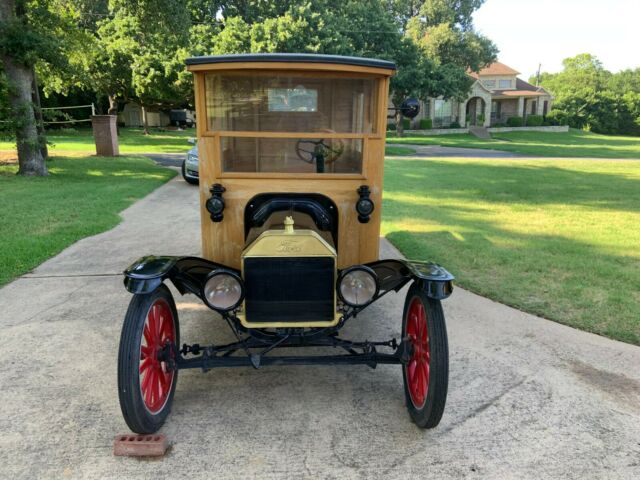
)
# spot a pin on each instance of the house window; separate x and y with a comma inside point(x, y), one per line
point(534, 105)
point(442, 108)
point(504, 84)
point(489, 83)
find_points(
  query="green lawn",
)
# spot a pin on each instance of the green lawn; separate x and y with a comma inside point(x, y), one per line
point(394, 150)
point(575, 143)
point(132, 140)
point(80, 197)
point(557, 238)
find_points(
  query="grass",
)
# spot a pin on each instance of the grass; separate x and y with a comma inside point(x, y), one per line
point(80, 197)
point(574, 143)
point(398, 151)
point(557, 238)
point(132, 140)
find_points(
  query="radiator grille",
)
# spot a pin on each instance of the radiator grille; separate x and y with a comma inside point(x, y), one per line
point(289, 289)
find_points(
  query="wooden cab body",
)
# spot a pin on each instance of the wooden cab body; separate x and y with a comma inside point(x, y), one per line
point(261, 119)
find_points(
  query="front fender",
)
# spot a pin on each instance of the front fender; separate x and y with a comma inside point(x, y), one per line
point(436, 282)
point(188, 274)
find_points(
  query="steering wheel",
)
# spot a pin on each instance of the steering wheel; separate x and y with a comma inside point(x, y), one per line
point(319, 152)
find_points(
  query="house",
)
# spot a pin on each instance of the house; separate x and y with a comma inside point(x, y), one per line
point(496, 95)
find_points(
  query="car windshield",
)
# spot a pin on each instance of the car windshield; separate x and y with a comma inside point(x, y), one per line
point(291, 122)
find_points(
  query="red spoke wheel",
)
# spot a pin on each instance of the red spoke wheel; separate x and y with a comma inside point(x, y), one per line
point(145, 383)
point(426, 374)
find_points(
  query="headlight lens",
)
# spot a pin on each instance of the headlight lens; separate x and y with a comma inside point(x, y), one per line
point(357, 286)
point(223, 290)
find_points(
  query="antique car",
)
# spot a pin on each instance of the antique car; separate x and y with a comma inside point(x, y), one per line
point(291, 151)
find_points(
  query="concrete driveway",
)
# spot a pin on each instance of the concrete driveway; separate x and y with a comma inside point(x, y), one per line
point(438, 151)
point(528, 398)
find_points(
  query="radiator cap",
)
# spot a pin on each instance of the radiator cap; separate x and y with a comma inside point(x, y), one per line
point(288, 225)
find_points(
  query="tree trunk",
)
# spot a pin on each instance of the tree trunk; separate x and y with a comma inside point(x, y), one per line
point(113, 105)
point(113, 109)
point(145, 121)
point(399, 124)
point(30, 159)
point(20, 79)
point(44, 150)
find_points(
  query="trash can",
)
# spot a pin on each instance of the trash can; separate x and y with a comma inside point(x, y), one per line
point(105, 134)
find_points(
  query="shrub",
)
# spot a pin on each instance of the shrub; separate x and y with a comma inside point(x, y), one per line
point(515, 121)
point(391, 127)
point(499, 125)
point(556, 117)
point(406, 123)
point(426, 124)
point(454, 125)
point(534, 120)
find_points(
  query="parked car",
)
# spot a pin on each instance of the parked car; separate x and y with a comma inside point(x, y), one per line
point(190, 170)
point(291, 196)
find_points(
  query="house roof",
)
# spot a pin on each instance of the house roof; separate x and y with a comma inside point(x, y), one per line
point(522, 89)
point(496, 68)
point(522, 85)
point(517, 93)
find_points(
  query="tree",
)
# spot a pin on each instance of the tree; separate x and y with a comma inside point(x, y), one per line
point(592, 98)
point(443, 31)
point(138, 43)
point(35, 35)
point(19, 43)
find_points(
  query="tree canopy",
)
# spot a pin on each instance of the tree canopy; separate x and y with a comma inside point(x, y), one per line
point(139, 46)
point(589, 96)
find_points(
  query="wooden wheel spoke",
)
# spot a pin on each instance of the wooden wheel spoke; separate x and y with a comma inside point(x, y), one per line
point(145, 364)
point(146, 382)
point(146, 351)
point(147, 334)
point(158, 324)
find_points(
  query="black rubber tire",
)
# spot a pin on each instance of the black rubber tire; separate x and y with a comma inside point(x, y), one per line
point(431, 412)
point(138, 418)
point(184, 174)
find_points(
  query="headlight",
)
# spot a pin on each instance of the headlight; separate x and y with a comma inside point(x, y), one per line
point(357, 286)
point(223, 290)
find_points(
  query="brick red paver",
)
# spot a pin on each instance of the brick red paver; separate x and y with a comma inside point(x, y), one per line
point(140, 445)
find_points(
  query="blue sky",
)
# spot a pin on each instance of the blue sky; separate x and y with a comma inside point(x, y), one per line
point(529, 32)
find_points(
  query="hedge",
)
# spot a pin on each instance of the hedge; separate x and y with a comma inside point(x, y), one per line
point(515, 121)
point(426, 124)
point(556, 117)
point(534, 120)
